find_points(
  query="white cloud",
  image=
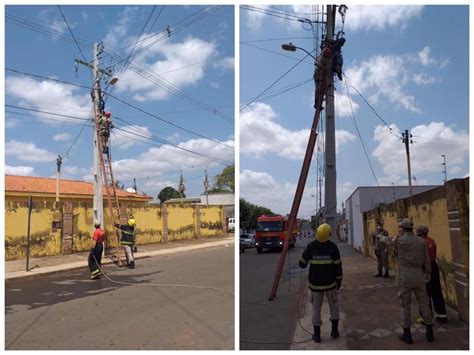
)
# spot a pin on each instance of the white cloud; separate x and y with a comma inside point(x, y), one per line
point(166, 57)
point(426, 59)
point(383, 76)
point(28, 152)
point(50, 97)
point(118, 32)
point(157, 163)
point(429, 143)
point(225, 63)
point(215, 85)
point(58, 25)
point(255, 18)
point(61, 137)
point(379, 18)
point(259, 134)
point(424, 79)
point(344, 104)
point(19, 170)
point(125, 140)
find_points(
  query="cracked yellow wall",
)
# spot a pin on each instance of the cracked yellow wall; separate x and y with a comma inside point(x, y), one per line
point(428, 208)
point(149, 229)
point(43, 241)
point(211, 221)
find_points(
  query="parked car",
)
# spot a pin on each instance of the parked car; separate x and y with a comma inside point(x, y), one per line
point(248, 240)
point(241, 246)
point(231, 225)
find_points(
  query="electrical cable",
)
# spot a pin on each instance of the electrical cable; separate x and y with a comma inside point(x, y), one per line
point(124, 102)
point(274, 39)
point(360, 136)
point(216, 289)
point(275, 52)
point(275, 82)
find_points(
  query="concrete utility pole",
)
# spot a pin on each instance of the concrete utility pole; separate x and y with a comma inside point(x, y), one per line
point(98, 202)
point(59, 161)
point(206, 187)
point(444, 164)
point(330, 201)
point(135, 184)
point(407, 140)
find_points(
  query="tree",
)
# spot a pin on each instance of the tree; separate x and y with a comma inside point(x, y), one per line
point(224, 182)
point(119, 185)
point(249, 214)
point(168, 193)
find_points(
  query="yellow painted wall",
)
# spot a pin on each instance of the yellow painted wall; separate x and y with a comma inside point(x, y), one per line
point(43, 241)
point(149, 229)
point(431, 210)
point(211, 221)
point(181, 224)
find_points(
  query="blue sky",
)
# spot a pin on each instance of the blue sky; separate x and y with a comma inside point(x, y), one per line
point(194, 67)
point(406, 61)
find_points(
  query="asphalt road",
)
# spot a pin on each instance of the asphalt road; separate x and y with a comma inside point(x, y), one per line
point(68, 311)
point(265, 324)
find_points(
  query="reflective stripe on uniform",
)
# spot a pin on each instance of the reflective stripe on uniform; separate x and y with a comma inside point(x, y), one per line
point(95, 272)
point(321, 288)
point(322, 261)
point(130, 233)
point(127, 243)
point(338, 277)
point(338, 261)
point(303, 260)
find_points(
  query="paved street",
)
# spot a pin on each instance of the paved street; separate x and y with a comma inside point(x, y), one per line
point(69, 311)
point(268, 324)
point(370, 315)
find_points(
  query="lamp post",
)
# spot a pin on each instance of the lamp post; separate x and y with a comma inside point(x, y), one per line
point(292, 48)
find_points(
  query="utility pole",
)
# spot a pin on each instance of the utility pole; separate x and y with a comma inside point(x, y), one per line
point(444, 164)
point(135, 184)
point(98, 202)
point(407, 140)
point(330, 201)
point(206, 187)
point(59, 161)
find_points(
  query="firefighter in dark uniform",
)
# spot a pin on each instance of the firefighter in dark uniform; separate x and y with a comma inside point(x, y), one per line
point(325, 277)
point(128, 240)
point(95, 255)
point(433, 287)
point(381, 250)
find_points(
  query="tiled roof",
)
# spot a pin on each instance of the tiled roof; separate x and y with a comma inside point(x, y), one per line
point(33, 184)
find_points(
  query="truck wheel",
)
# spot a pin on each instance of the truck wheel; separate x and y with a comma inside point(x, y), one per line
point(259, 250)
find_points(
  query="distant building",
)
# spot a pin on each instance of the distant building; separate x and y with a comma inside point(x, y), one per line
point(365, 198)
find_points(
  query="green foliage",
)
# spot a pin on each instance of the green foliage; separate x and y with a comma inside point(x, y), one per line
point(119, 185)
point(224, 182)
point(249, 214)
point(168, 193)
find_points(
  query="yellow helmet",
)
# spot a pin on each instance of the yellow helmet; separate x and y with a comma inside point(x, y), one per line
point(131, 222)
point(323, 232)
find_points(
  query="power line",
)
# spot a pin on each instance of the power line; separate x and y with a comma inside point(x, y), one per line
point(273, 13)
point(360, 136)
point(274, 39)
point(274, 52)
point(72, 34)
point(125, 103)
point(275, 82)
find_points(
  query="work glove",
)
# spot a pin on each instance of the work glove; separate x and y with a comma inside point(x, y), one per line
point(339, 283)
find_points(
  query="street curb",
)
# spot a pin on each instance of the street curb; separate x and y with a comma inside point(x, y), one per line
point(17, 275)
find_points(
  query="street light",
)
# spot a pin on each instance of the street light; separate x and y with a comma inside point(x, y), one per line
point(292, 48)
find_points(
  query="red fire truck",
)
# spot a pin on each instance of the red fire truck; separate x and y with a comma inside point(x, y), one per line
point(271, 232)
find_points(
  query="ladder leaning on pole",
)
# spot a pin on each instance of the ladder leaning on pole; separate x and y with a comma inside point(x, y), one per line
point(112, 199)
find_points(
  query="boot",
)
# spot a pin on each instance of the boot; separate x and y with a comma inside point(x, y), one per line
point(386, 275)
point(429, 333)
point(334, 330)
point(379, 274)
point(317, 334)
point(131, 265)
point(406, 336)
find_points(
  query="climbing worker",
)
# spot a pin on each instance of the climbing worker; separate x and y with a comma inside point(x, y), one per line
point(95, 255)
point(127, 240)
point(320, 67)
point(380, 249)
point(105, 125)
point(433, 286)
point(325, 277)
point(414, 270)
point(337, 59)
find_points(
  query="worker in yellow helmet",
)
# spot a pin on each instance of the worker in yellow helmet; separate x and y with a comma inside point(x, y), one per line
point(128, 240)
point(325, 277)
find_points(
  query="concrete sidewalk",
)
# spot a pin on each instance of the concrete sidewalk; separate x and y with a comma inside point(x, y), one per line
point(370, 315)
point(16, 269)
